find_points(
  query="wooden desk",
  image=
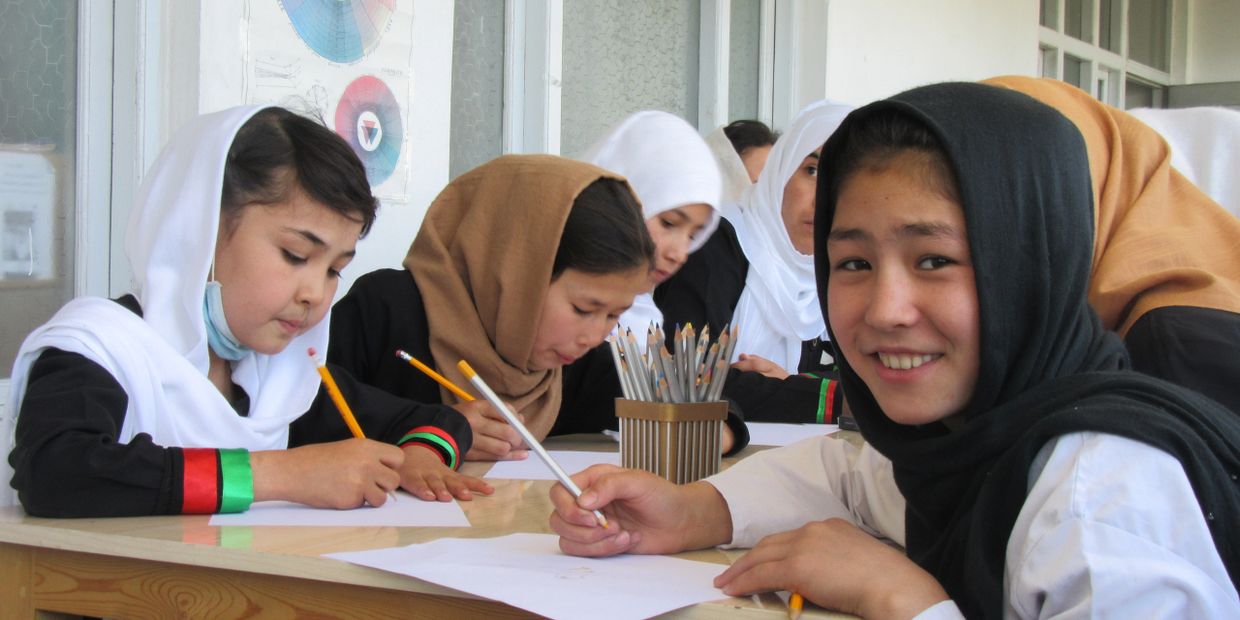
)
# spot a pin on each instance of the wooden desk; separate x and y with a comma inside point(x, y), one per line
point(180, 567)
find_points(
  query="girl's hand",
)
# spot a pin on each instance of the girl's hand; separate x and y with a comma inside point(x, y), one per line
point(760, 365)
point(837, 566)
point(494, 438)
point(424, 476)
point(645, 514)
point(340, 474)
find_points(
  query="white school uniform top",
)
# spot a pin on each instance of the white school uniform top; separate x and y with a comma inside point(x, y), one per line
point(1110, 527)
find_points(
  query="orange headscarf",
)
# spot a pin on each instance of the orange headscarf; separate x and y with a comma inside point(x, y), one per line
point(482, 261)
point(1159, 241)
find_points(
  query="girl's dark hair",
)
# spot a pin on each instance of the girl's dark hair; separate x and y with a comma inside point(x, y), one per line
point(747, 134)
point(872, 142)
point(604, 232)
point(277, 151)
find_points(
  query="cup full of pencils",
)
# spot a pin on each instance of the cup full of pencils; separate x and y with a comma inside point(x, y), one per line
point(672, 413)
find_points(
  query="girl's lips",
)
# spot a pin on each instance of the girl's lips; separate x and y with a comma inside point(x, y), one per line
point(291, 327)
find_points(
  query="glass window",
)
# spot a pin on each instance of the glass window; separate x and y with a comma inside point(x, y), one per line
point(38, 112)
point(1076, 20)
point(1149, 32)
point(1074, 70)
point(1138, 94)
point(621, 57)
point(477, 85)
point(1049, 14)
point(743, 59)
point(1109, 25)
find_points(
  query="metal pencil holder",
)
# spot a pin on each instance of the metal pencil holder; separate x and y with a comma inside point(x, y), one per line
point(677, 441)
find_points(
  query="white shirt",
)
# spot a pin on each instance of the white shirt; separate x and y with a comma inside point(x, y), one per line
point(1110, 526)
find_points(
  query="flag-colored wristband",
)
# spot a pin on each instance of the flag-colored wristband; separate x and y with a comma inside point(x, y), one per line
point(199, 481)
point(237, 492)
point(436, 439)
point(826, 401)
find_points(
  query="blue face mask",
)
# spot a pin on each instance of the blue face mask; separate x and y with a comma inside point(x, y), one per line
point(219, 337)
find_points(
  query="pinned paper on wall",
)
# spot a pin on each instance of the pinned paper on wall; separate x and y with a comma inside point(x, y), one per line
point(27, 212)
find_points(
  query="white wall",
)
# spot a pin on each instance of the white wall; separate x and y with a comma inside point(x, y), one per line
point(1214, 52)
point(876, 49)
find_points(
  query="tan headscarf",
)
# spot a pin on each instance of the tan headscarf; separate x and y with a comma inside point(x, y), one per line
point(482, 262)
point(1159, 241)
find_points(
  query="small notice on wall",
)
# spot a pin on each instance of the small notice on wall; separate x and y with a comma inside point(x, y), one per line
point(27, 212)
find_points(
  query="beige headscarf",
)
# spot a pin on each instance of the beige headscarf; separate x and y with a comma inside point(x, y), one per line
point(482, 262)
point(1159, 241)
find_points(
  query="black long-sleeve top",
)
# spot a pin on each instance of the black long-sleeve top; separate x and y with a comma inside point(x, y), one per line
point(67, 462)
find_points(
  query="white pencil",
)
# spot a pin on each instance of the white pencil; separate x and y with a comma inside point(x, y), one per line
point(525, 434)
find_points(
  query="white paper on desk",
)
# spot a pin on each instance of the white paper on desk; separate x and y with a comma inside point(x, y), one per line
point(530, 572)
point(533, 468)
point(773, 434)
point(405, 511)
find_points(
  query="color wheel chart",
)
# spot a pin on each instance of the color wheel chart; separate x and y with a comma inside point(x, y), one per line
point(340, 30)
point(368, 118)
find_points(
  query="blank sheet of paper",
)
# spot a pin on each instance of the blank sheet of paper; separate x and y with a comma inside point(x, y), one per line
point(533, 468)
point(530, 572)
point(406, 511)
point(772, 434)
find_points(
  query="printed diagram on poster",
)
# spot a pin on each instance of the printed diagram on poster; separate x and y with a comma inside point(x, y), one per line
point(346, 61)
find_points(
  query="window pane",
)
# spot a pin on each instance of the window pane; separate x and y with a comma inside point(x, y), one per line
point(38, 79)
point(1047, 65)
point(1076, 21)
point(621, 57)
point(1049, 15)
point(1074, 72)
point(1139, 95)
point(743, 59)
point(1109, 26)
point(1149, 32)
point(477, 132)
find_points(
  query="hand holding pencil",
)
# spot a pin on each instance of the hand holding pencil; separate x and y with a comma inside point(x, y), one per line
point(494, 438)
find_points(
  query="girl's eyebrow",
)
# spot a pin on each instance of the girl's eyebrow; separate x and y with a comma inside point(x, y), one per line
point(937, 230)
point(316, 240)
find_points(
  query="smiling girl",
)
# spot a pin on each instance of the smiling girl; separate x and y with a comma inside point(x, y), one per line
point(1024, 469)
point(194, 393)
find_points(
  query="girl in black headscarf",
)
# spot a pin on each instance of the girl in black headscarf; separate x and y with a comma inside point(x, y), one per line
point(1035, 475)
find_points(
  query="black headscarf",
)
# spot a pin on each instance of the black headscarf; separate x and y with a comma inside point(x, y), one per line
point(1047, 366)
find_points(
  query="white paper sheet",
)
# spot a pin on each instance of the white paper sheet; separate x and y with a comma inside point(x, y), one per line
point(530, 572)
point(406, 511)
point(773, 434)
point(533, 468)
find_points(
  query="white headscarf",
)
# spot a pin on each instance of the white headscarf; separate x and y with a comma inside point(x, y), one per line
point(735, 177)
point(668, 165)
point(160, 359)
point(1205, 147)
point(778, 309)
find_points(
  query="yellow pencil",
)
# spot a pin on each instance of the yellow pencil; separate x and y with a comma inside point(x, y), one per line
point(333, 391)
point(794, 606)
point(430, 372)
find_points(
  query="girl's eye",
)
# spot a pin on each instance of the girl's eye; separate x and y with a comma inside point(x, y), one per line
point(292, 258)
point(852, 264)
point(667, 223)
point(333, 273)
point(934, 262)
point(811, 171)
point(580, 311)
